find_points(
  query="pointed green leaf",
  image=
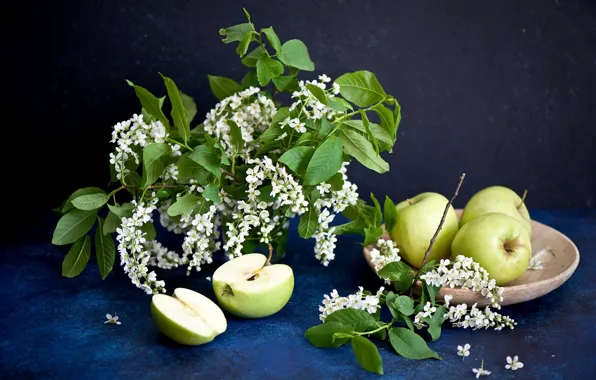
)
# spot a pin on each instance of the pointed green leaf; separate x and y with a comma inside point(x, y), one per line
point(376, 130)
point(251, 58)
point(183, 205)
point(243, 45)
point(149, 231)
point(396, 116)
point(297, 158)
point(410, 345)
point(359, 320)
point(390, 214)
point(285, 82)
point(367, 354)
point(336, 182)
point(235, 137)
point(122, 211)
point(309, 221)
point(111, 223)
point(435, 321)
point(179, 113)
point(105, 250)
point(223, 87)
point(371, 235)
point(151, 104)
point(90, 201)
point(72, 226)
point(325, 162)
point(84, 191)
point(361, 88)
point(321, 336)
point(268, 68)
point(153, 162)
point(77, 258)
point(273, 38)
point(250, 79)
point(295, 54)
point(189, 105)
point(211, 192)
point(317, 92)
point(206, 157)
point(236, 32)
point(361, 149)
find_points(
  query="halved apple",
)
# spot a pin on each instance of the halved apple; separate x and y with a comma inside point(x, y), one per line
point(248, 288)
point(189, 317)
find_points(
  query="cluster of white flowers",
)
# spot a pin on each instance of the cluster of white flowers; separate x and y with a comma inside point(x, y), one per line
point(386, 252)
point(463, 272)
point(132, 135)
point(168, 222)
point(309, 105)
point(359, 300)
point(328, 205)
point(162, 257)
point(252, 114)
point(202, 238)
point(254, 212)
point(476, 318)
point(535, 263)
point(134, 256)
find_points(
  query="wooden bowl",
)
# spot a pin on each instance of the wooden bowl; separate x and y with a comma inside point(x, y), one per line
point(559, 258)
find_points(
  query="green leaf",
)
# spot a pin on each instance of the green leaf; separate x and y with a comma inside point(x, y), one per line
point(179, 113)
point(378, 214)
point(236, 32)
point(366, 124)
point(307, 138)
point(295, 54)
point(432, 291)
point(223, 87)
point(84, 191)
point(359, 320)
point(211, 192)
point(379, 133)
point(434, 322)
point(371, 235)
point(396, 116)
point(389, 299)
point(309, 221)
point(317, 92)
point(409, 323)
point(361, 88)
point(268, 68)
point(273, 38)
point(235, 136)
point(265, 194)
point(404, 305)
point(72, 226)
point(149, 230)
point(151, 104)
point(410, 345)
point(183, 205)
point(389, 213)
point(353, 227)
point(336, 182)
point(326, 128)
point(153, 161)
point(325, 162)
point(386, 118)
point(394, 271)
point(111, 223)
point(251, 59)
point(341, 336)
point(77, 257)
point(105, 250)
point(367, 354)
point(242, 47)
point(189, 105)
point(188, 169)
point(297, 158)
point(206, 157)
point(250, 79)
point(285, 82)
point(361, 149)
point(321, 336)
point(339, 104)
point(90, 201)
point(122, 211)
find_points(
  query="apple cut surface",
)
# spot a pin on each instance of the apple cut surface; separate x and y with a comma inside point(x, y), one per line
point(248, 288)
point(189, 317)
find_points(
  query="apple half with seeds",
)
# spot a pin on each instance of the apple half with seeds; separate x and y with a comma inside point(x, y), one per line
point(249, 287)
point(188, 317)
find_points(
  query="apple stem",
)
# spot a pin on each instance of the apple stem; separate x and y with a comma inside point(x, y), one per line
point(432, 241)
point(523, 199)
point(270, 255)
point(409, 201)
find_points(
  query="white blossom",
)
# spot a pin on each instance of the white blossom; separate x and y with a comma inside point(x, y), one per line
point(112, 320)
point(476, 318)
point(535, 263)
point(359, 300)
point(385, 252)
point(513, 364)
point(309, 105)
point(481, 371)
point(464, 350)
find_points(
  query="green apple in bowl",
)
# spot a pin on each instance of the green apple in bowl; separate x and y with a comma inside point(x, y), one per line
point(416, 222)
point(497, 199)
point(249, 287)
point(498, 242)
point(188, 318)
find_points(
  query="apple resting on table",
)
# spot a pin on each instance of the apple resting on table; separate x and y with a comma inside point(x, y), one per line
point(498, 242)
point(189, 317)
point(249, 287)
point(416, 222)
point(496, 199)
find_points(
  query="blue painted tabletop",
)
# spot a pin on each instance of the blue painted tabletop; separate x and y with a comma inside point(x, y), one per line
point(53, 327)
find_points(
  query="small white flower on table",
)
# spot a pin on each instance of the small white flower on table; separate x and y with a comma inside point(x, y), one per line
point(480, 371)
point(513, 364)
point(463, 351)
point(112, 320)
point(535, 263)
point(208, 278)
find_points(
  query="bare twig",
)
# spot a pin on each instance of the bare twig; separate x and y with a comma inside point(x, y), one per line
point(230, 175)
point(432, 241)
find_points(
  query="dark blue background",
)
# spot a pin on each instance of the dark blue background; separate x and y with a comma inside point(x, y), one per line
point(52, 327)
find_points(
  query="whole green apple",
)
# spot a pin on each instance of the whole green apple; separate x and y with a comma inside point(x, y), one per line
point(498, 242)
point(416, 222)
point(248, 288)
point(189, 317)
point(496, 199)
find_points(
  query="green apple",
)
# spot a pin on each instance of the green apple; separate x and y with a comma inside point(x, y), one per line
point(189, 317)
point(498, 242)
point(417, 221)
point(248, 288)
point(496, 199)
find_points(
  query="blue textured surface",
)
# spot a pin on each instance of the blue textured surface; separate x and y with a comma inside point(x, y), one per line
point(52, 327)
